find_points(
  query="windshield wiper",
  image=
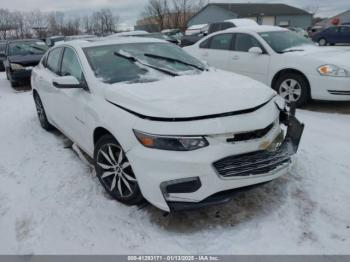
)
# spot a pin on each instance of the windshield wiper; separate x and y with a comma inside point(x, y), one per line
point(133, 59)
point(170, 59)
point(291, 50)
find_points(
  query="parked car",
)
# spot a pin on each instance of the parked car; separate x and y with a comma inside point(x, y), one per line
point(333, 35)
point(128, 33)
point(162, 126)
point(196, 29)
point(20, 57)
point(314, 30)
point(50, 41)
point(299, 31)
point(215, 27)
point(78, 37)
point(173, 34)
point(292, 65)
point(2, 55)
point(146, 34)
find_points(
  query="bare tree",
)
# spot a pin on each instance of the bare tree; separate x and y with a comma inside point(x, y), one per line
point(157, 10)
point(170, 13)
point(6, 24)
point(312, 9)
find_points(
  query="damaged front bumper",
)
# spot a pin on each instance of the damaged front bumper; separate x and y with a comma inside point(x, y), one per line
point(260, 166)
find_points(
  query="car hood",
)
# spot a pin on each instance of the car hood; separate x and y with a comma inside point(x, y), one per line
point(326, 55)
point(26, 60)
point(207, 94)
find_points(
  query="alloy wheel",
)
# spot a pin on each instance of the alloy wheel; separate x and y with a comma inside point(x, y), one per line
point(290, 90)
point(117, 174)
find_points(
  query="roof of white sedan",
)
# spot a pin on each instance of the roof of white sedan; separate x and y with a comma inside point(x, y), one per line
point(111, 41)
point(256, 29)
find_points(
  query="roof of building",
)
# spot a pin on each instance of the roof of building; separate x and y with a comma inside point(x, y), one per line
point(255, 9)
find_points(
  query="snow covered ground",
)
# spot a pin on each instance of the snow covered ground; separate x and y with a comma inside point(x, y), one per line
point(50, 202)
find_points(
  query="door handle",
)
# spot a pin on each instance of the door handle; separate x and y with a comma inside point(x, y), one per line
point(205, 54)
point(40, 79)
point(236, 57)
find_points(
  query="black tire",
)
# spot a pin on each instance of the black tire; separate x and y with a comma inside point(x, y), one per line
point(300, 93)
point(115, 172)
point(322, 41)
point(41, 113)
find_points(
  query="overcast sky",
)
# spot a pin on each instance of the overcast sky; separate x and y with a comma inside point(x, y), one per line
point(130, 10)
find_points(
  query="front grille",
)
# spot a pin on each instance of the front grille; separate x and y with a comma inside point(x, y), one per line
point(255, 163)
point(256, 134)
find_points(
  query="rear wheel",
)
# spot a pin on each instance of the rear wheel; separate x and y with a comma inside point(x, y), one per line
point(294, 88)
point(41, 113)
point(322, 42)
point(115, 173)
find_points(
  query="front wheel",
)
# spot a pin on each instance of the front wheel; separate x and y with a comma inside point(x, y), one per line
point(41, 113)
point(322, 42)
point(294, 88)
point(115, 173)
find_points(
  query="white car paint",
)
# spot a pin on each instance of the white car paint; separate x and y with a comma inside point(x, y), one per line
point(265, 67)
point(78, 113)
point(239, 22)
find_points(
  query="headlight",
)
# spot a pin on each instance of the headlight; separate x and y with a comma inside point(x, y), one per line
point(16, 66)
point(333, 70)
point(172, 143)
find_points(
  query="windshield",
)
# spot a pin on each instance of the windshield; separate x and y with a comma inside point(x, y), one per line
point(281, 41)
point(27, 48)
point(111, 68)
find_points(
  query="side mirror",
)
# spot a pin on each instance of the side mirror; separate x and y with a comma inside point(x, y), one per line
point(256, 50)
point(66, 82)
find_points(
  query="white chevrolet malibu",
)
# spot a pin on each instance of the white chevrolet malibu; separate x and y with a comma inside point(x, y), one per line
point(160, 125)
point(294, 66)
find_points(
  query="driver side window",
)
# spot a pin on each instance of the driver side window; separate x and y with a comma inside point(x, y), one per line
point(70, 65)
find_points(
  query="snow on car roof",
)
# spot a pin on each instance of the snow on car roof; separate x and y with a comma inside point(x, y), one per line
point(196, 27)
point(256, 29)
point(111, 41)
point(238, 22)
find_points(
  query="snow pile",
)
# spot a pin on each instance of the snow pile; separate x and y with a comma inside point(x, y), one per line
point(51, 203)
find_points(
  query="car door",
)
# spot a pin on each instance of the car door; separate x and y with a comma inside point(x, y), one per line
point(49, 69)
point(344, 32)
point(249, 64)
point(216, 50)
point(332, 35)
point(73, 102)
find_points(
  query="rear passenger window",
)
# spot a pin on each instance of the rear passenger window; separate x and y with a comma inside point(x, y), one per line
point(53, 59)
point(205, 44)
point(345, 29)
point(221, 42)
point(244, 42)
point(227, 25)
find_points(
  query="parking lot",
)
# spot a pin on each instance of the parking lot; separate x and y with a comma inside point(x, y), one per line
point(51, 203)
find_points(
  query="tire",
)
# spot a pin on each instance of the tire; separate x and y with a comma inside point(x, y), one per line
point(322, 41)
point(41, 113)
point(115, 173)
point(293, 87)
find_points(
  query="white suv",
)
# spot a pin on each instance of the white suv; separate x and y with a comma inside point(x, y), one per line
point(160, 125)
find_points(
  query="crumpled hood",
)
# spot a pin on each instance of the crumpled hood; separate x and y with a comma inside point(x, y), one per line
point(209, 93)
point(326, 55)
